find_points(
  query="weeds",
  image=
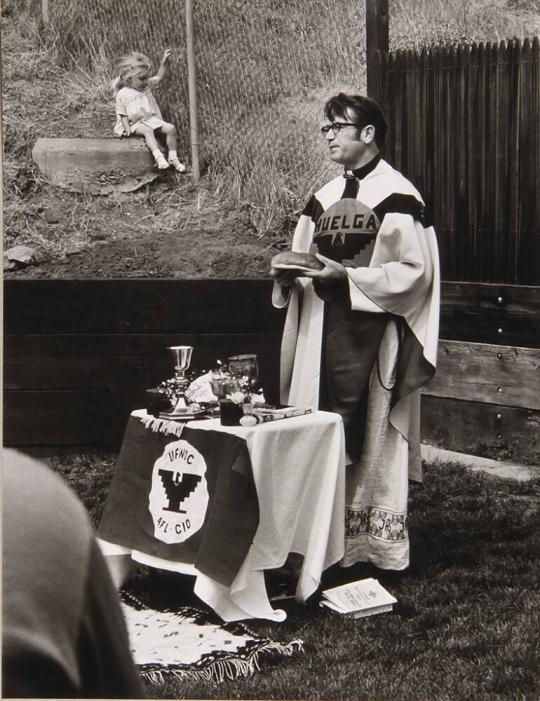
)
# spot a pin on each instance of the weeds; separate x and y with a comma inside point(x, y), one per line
point(260, 101)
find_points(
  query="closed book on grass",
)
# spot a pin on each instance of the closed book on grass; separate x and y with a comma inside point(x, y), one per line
point(365, 597)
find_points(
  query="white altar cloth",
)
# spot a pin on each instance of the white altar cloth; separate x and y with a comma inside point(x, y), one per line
point(299, 472)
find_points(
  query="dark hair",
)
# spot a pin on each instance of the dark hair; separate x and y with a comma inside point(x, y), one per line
point(365, 110)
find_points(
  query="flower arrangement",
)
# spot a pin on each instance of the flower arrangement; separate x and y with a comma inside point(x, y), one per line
point(239, 389)
point(214, 385)
point(171, 389)
point(227, 386)
point(242, 394)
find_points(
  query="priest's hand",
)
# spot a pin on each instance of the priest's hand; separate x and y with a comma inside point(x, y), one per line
point(332, 271)
point(285, 278)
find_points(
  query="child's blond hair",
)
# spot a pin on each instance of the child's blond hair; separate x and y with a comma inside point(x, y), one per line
point(129, 66)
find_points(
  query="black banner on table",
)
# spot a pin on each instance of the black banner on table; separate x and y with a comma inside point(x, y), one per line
point(187, 499)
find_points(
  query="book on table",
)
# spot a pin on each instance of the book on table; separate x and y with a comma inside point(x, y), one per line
point(272, 413)
point(364, 597)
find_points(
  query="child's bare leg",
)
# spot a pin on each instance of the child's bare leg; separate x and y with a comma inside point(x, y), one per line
point(151, 142)
point(150, 139)
point(170, 135)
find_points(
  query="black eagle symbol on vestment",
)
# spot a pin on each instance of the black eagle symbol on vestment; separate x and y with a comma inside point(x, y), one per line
point(346, 248)
point(178, 486)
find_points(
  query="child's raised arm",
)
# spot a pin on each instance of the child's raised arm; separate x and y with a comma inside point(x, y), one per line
point(162, 70)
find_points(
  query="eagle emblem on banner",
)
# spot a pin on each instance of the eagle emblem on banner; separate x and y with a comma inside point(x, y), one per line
point(178, 497)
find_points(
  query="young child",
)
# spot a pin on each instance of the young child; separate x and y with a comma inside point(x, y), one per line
point(137, 111)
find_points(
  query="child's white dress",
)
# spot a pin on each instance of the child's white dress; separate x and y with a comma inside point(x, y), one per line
point(139, 107)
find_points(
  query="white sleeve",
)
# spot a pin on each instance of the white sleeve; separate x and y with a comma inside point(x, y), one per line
point(303, 234)
point(121, 107)
point(280, 295)
point(401, 268)
point(360, 302)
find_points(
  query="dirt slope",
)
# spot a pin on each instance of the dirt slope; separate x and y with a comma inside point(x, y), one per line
point(167, 229)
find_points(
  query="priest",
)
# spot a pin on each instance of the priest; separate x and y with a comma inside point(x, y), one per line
point(361, 283)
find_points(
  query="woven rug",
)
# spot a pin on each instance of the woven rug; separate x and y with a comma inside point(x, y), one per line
point(187, 645)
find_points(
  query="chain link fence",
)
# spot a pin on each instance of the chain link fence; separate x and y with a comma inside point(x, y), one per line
point(264, 69)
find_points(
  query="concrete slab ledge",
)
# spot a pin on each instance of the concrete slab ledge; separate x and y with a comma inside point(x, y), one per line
point(494, 468)
point(97, 166)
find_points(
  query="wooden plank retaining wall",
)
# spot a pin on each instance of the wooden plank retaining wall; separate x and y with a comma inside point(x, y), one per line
point(78, 355)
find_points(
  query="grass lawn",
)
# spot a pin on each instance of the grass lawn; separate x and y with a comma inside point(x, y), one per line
point(466, 626)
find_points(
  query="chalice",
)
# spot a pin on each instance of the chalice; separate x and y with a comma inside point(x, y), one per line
point(182, 360)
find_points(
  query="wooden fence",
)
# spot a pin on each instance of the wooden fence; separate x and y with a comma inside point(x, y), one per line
point(78, 355)
point(465, 127)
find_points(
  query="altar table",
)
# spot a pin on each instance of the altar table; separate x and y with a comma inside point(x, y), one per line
point(297, 467)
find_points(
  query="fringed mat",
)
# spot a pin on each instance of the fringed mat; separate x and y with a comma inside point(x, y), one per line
point(186, 645)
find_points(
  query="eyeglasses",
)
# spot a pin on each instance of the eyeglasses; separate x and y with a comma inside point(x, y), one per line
point(335, 128)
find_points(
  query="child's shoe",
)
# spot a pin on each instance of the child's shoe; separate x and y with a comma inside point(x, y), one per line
point(161, 161)
point(179, 167)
